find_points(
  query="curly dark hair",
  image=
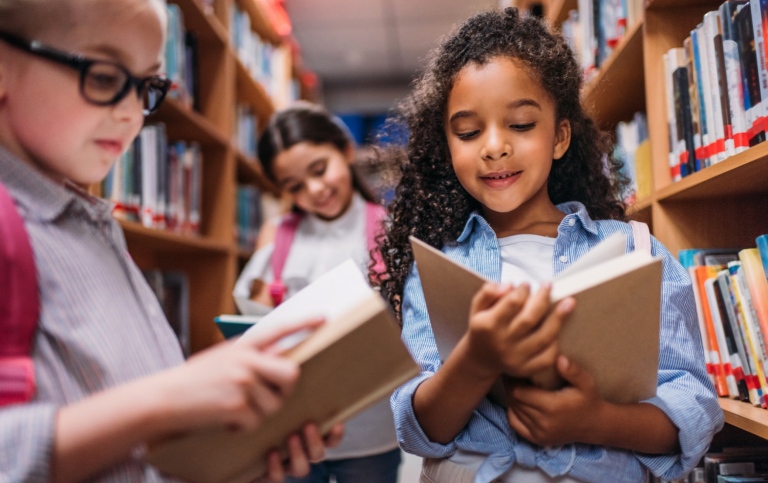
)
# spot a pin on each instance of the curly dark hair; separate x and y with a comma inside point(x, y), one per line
point(430, 203)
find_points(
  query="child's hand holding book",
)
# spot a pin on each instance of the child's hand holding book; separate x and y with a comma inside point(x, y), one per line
point(514, 332)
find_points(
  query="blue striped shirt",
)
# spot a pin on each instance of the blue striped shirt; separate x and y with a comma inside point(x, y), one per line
point(685, 393)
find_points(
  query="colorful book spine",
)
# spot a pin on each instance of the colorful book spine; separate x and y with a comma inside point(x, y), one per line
point(762, 248)
point(702, 273)
point(758, 286)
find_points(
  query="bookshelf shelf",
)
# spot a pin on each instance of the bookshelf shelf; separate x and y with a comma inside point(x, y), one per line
point(208, 28)
point(143, 238)
point(641, 205)
point(252, 92)
point(184, 123)
point(260, 20)
point(740, 175)
point(606, 95)
point(249, 171)
point(745, 416)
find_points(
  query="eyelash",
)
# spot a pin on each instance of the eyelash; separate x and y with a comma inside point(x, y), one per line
point(516, 127)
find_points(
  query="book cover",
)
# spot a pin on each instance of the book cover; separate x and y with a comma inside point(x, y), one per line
point(351, 362)
point(234, 325)
point(619, 347)
point(762, 248)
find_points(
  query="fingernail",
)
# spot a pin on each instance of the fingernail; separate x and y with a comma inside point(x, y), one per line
point(564, 362)
point(568, 304)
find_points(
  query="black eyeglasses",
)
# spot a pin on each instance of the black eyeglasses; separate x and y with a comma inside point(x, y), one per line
point(102, 83)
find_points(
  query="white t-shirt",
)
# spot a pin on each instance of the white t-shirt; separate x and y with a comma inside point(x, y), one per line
point(319, 246)
point(524, 258)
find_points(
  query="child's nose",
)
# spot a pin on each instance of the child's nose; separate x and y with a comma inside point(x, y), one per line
point(496, 145)
point(315, 186)
point(130, 108)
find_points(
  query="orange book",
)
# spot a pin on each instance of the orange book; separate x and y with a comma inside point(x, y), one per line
point(758, 286)
point(703, 273)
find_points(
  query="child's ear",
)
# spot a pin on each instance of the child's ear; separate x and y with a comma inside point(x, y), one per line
point(562, 138)
point(349, 154)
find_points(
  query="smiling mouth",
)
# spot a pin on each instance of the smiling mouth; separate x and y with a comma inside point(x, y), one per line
point(502, 176)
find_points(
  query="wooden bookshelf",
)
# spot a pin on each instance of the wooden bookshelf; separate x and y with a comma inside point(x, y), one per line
point(556, 11)
point(723, 205)
point(210, 260)
point(606, 95)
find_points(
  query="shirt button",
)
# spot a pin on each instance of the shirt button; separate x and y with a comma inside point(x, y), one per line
point(571, 222)
point(563, 259)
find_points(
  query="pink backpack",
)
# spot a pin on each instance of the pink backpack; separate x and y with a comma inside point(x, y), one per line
point(19, 305)
point(374, 214)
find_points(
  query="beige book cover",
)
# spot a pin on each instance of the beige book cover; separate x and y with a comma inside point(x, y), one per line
point(613, 332)
point(353, 361)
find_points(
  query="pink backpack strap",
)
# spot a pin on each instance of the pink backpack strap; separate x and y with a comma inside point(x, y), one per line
point(374, 217)
point(286, 232)
point(641, 235)
point(19, 306)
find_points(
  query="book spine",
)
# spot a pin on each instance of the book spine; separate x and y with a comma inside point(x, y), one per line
point(762, 248)
point(715, 97)
point(702, 274)
point(733, 339)
point(725, 355)
point(740, 329)
point(754, 336)
point(757, 285)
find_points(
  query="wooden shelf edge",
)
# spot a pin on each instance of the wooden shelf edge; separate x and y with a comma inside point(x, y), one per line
point(249, 169)
point(745, 416)
point(134, 230)
point(630, 46)
point(173, 111)
point(664, 4)
point(208, 27)
point(729, 167)
point(640, 205)
point(260, 20)
point(251, 91)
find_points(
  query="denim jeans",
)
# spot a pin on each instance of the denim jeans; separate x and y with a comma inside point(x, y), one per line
point(380, 468)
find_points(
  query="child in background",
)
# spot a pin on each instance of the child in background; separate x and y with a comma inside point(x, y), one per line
point(76, 78)
point(308, 154)
point(507, 175)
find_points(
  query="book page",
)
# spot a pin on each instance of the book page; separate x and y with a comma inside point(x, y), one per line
point(612, 247)
point(330, 296)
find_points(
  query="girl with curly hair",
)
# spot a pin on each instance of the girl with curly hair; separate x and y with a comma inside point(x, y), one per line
point(505, 173)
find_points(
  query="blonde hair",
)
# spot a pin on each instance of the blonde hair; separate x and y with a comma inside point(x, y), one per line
point(32, 19)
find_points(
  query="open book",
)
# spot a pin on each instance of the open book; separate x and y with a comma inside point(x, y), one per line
point(613, 332)
point(351, 362)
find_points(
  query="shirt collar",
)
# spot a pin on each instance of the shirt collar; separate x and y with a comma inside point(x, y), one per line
point(574, 208)
point(42, 198)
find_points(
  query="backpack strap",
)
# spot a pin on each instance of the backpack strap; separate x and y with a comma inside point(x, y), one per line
point(641, 235)
point(374, 216)
point(286, 232)
point(19, 305)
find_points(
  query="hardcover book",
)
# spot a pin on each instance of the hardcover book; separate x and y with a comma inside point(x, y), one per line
point(351, 362)
point(613, 332)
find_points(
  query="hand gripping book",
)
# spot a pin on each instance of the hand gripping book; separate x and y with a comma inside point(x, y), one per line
point(351, 362)
point(613, 332)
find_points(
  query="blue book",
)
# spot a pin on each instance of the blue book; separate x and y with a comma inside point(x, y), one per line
point(234, 325)
point(762, 247)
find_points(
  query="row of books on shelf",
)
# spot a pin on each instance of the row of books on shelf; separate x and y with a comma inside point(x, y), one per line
point(172, 291)
point(717, 87)
point(157, 183)
point(633, 149)
point(595, 29)
point(180, 61)
point(249, 217)
point(268, 64)
point(246, 127)
point(731, 294)
point(729, 465)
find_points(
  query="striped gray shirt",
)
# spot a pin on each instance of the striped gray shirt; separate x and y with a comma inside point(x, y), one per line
point(100, 325)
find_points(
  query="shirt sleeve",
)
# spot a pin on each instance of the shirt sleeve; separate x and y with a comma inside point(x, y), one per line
point(685, 392)
point(26, 441)
point(417, 336)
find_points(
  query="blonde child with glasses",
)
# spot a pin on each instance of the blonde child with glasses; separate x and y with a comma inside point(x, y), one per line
point(76, 79)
